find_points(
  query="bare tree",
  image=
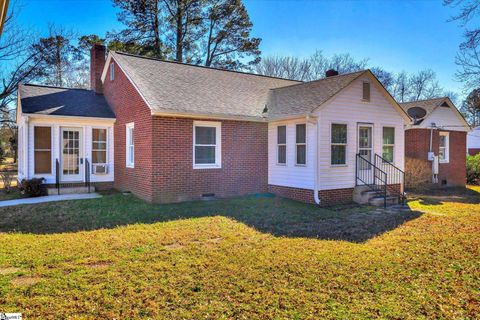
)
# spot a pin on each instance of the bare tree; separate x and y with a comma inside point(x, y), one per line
point(424, 85)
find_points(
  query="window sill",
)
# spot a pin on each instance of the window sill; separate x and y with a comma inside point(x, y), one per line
point(281, 164)
point(130, 166)
point(443, 161)
point(300, 165)
point(338, 165)
point(212, 166)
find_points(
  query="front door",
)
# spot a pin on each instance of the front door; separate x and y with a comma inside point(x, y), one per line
point(71, 168)
point(365, 149)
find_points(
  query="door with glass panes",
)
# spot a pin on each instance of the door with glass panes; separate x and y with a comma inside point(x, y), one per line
point(365, 149)
point(71, 154)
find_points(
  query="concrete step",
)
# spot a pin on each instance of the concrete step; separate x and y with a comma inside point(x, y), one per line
point(379, 201)
point(70, 190)
point(363, 194)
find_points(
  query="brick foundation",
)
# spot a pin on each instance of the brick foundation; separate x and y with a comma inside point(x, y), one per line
point(473, 151)
point(99, 186)
point(327, 197)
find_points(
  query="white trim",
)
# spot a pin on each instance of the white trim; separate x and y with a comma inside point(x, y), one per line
point(218, 144)
point(207, 116)
point(34, 116)
point(390, 144)
point(37, 175)
point(338, 144)
point(369, 91)
point(301, 144)
point(447, 147)
point(281, 144)
point(129, 163)
point(107, 144)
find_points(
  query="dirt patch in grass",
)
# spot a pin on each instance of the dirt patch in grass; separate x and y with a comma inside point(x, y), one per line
point(98, 265)
point(8, 270)
point(173, 246)
point(25, 281)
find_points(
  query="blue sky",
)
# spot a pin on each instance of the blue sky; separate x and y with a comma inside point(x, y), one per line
point(396, 35)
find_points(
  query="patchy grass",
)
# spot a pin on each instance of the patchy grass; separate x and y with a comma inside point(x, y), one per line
point(13, 194)
point(246, 258)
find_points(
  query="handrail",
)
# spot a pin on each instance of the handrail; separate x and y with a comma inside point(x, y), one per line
point(363, 175)
point(57, 176)
point(87, 174)
point(396, 176)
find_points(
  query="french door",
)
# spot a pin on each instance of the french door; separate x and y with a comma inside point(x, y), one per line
point(71, 162)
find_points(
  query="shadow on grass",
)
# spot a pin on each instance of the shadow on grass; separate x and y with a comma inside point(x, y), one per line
point(265, 213)
point(438, 196)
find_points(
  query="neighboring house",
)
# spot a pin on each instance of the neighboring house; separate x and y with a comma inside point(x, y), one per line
point(437, 137)
point(473, 141)
point(171, 132)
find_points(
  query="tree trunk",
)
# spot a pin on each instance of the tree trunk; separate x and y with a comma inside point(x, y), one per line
point(58, 63)
point(179, 40)
point(156, 31)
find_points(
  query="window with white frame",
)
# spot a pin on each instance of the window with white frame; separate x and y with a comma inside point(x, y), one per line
point(301, 144)
point(338, 144)
point(130, 145)
point(282, 144)
point(42, 149)
point(206, 145)
point(443, 147)
point(388, 144)
point(99, 146)
point(112, 71)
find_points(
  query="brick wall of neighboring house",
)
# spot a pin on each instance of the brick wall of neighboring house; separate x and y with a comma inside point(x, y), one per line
point(128, 106)
point(473, 151)
point(453, 173)
point(327, 197)
point(243, 166)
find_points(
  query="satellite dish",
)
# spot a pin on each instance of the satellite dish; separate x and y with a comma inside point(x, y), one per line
point(417, 113)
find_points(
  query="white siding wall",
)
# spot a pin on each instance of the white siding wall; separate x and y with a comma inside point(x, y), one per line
point(86, 129)
point(347, 108)
point(291, 175)
point(473, 139)
point(445, 118)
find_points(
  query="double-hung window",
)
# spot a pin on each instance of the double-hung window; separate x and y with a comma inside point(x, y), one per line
point(42, 150)
point(443, 147)
point(130, 145)
point(207, 145)
point(338, 144)
point(282, 145)
point(99, 146)
point(301, 144)
point(388, 144)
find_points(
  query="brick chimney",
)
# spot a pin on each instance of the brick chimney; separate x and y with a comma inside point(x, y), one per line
point(331, 73)
point(97, 62)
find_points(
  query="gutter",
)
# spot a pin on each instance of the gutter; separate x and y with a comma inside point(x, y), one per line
point(315, 121)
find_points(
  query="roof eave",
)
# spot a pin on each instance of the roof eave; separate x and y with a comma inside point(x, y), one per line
point(168, 113)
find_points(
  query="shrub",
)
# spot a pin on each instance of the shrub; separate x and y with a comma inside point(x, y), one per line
point(418, 173)
point(7, 177)
point(32, 187)
point(473, 169)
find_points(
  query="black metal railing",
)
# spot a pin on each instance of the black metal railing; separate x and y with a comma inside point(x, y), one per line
point(57, 175)
point(87, 174)
point(395, 177)
point(371, 176)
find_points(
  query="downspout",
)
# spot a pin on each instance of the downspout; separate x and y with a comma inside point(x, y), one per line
point(316, 170)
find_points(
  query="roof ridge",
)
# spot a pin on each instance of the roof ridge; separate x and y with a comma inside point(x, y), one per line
point(204, 67)
point(322, 79)
point(423, 100)
point(53, 87)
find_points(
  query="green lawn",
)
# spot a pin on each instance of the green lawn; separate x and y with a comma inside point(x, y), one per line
point(246, 258)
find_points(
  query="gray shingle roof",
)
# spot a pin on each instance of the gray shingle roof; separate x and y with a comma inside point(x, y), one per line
point(429, 105)
point(303, 98)
point(182, 88)
point(36, 99)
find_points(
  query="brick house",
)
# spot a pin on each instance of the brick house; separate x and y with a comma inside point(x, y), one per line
point(437, 137)
point(171, 132)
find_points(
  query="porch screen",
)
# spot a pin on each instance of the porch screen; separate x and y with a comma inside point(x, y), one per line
point(99, 146)
point(43, 150)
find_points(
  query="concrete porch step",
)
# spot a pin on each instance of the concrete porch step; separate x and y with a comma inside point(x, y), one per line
point(70, 190)
point(379, 201)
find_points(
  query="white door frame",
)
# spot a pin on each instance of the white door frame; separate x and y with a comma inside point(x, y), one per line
point(72, 177)
point(370, 173)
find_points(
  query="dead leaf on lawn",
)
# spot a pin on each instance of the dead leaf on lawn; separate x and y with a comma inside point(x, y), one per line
point(173, 246)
